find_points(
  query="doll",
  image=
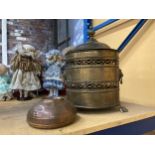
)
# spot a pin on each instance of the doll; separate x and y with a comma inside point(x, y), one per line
point(26, 69)
point(5, 91)
point(53, 80)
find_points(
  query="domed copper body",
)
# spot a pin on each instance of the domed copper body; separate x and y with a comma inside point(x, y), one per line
point(51, 113)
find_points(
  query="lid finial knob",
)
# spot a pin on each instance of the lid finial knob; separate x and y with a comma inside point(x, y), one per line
point(91, 32)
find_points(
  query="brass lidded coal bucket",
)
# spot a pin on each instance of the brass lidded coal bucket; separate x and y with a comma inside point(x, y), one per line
point(92, 76)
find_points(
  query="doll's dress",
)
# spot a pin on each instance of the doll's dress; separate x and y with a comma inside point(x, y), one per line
point(5, 90)
point(25, 81)
point(53, 77)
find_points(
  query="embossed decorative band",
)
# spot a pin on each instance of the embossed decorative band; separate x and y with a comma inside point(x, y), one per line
point(92, 85)
point(91, 61)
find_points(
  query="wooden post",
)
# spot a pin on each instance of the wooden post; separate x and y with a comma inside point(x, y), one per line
point(4, 42)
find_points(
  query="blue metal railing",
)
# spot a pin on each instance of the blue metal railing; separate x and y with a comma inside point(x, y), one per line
point(106, 23)
point(88, 22)
point(132, 34)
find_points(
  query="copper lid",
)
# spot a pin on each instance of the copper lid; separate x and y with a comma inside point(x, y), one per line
point(51, 113)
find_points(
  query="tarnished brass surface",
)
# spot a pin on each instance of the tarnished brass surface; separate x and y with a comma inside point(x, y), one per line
point(93, 99)
point(92, 76)
point(51, 113)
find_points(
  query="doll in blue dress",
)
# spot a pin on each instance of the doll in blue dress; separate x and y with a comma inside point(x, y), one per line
point(5, 79)
point(52, 78)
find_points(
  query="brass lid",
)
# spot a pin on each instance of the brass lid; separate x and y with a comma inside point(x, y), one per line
point(92, 44)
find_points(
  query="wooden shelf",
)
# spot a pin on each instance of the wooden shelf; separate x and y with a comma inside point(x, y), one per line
point(13, 119)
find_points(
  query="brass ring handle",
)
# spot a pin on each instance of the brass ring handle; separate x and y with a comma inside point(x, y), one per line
point(120, 76)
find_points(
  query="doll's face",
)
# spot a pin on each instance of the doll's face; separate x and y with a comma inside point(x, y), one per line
point(49, 59)
point(3, 69)
point(53, 56)
point(32, 53)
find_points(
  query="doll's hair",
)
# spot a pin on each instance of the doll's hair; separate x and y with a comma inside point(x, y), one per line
point(52, 52)
point(53, 55)
point(26, 59)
